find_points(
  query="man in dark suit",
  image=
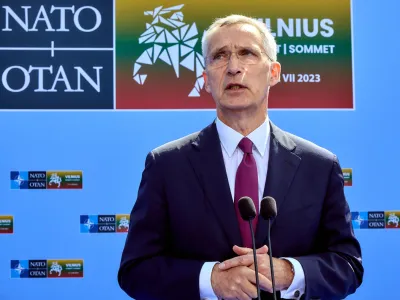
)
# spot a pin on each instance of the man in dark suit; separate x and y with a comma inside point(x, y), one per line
point(186, 235)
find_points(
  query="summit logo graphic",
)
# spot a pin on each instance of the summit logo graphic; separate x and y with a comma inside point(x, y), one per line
point(173, 42)
point(162, 45)
point(6, 224)
point(348, 176)
point(392, 219)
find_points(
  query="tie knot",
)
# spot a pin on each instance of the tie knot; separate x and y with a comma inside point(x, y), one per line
point(246, 145)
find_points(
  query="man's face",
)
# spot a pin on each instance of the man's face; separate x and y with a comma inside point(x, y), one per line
point(238, 73)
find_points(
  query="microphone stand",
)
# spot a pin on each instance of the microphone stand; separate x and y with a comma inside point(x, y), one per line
point(255, 262)
point(270, 258)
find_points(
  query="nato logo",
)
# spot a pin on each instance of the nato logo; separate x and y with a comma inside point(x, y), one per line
point(376, 219)
point(89, 223)
point(57, 56)
point(118, 223)
point(19, 269)
point(19, 180)
point(28, 180)
point(359, 220)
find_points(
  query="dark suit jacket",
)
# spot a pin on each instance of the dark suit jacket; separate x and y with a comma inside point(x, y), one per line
point(184, 216)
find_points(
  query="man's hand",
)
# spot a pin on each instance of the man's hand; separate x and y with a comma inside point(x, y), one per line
point(236, 283)
point(282, 268)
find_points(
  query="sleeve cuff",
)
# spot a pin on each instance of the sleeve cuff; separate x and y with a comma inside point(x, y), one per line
point(206, 290)
point(298, 286)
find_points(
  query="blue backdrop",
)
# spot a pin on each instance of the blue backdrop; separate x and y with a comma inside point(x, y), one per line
point(110, 147)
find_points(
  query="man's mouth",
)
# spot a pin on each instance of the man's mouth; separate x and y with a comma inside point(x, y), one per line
point(234, 86)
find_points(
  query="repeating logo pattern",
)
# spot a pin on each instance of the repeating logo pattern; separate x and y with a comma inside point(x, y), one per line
point(104, 223)
point(62, 268)
point(45, 180)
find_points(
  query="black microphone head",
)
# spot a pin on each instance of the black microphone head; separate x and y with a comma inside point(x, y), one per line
point(268, 208)
point(246, 208)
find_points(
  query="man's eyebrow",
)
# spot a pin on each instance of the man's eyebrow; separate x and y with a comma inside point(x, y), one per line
point(236, 47)
point(218, 49)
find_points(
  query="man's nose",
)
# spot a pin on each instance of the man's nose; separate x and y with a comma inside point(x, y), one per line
point(234, 66)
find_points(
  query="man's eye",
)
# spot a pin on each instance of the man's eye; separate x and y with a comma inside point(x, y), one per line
point(246, 53)
point(219, 56)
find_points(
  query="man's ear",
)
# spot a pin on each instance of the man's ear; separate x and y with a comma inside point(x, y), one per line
point(275, 73)
point(206, 84)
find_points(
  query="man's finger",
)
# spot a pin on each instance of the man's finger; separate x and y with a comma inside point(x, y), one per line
point(262, 250)
point(243, 260)
point(243, 250)
point(265, 283)
point(242, 296)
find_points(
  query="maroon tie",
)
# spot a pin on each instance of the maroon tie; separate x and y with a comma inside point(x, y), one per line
point(246, 184)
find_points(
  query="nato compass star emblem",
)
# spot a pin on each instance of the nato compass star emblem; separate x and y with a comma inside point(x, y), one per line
point(19, 180)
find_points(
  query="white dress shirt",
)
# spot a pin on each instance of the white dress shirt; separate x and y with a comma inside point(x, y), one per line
point(232, 158)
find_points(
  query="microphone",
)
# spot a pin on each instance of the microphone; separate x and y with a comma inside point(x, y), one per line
point(248, 213)
point(268, 211)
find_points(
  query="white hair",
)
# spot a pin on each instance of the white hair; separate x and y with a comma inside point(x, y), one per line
point(266, 36)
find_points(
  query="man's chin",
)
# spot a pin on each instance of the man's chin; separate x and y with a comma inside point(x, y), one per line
point(237, 106)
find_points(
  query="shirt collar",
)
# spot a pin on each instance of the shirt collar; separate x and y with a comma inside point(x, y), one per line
point(230, 138)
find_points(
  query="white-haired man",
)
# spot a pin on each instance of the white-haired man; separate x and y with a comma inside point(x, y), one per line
point(187, 239)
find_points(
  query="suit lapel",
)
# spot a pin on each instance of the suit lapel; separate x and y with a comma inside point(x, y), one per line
point(282, 167)
point(208, 164)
